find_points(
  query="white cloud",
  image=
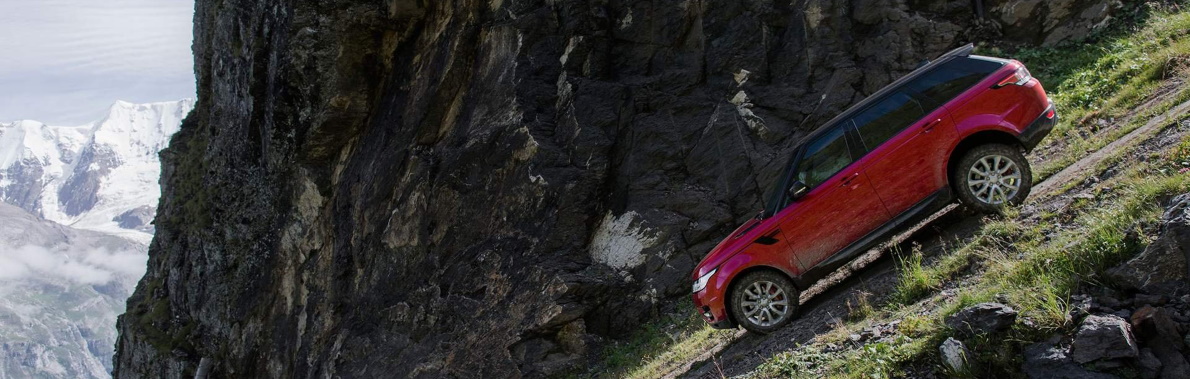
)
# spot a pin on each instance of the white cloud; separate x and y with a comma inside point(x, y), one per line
point(80, 266)
point(65, 61)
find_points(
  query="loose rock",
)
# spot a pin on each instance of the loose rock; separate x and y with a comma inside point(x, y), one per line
point(1103, 337)
point(1045, 361)
point(1159, 333)
point(1162, 267)
point(955, 355)
point(982, 319)
point(1148, 364)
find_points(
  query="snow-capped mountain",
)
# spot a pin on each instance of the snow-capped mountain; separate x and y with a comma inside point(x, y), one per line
point(74, 234)
point(100, 176)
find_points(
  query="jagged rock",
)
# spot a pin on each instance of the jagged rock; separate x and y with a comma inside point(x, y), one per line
point(1046, 361)
point(1145, 299)
point(1147, 364)
point(1110, 302)
point(955, 355)
point(437, 189)
point(1103, 337)
point(982, 318)
point(1123, 313)
point(138, 218)
point(1162, 267)
point(1156, 331)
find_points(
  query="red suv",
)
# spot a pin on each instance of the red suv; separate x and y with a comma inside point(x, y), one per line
point(955, 128)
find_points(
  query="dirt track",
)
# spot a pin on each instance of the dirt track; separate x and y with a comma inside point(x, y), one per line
point(876, 272)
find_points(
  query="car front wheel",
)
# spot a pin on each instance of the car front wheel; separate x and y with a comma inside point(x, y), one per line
point(764, 301)
point(993, 176)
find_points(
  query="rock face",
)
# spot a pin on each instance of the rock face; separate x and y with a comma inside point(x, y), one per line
point(1162, 267)
point(1049, 22)
point(444, 188)
point(1103, 337)
point(139, 218)
point(982, 318)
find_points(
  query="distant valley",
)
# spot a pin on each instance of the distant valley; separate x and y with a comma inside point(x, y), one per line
point(76, 211)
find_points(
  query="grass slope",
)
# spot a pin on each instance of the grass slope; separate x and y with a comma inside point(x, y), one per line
point(1031, 261)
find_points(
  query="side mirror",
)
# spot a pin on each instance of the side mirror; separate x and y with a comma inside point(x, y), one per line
point(797, 190)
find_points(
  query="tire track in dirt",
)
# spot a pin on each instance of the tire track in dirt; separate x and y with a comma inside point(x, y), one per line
point(1079, 169)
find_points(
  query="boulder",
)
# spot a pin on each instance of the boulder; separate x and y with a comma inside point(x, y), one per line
point(1103, 338)
point(982, 318)
point(1161, 268)
point(955, 355)
point(1046, 361)
point(1147, 364)
point(1158, 332)
point(1143, 299)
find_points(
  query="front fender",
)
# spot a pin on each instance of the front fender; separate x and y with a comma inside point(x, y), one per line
point(742, 263)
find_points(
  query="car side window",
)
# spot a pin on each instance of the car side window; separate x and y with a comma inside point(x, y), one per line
point(824, 157)
point(886, 118)
point(951, 79)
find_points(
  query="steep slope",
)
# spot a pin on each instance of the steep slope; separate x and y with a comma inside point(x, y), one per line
point(448, 188)
point(100, 176)
point(60, 292)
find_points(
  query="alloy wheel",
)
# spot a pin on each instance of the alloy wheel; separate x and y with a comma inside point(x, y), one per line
point(765, 303)
point(994, 179)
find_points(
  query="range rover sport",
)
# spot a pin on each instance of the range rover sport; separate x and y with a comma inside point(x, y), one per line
point(954, 129)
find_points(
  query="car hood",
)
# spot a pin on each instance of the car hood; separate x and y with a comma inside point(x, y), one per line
point(734, 243)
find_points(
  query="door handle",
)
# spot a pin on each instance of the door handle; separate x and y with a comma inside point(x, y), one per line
point(930, 125)
point(846, 181)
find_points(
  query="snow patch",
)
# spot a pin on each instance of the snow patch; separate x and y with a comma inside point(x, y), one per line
point(620, 240)
point(126, 141)
point(626, 21)
point(573, 43)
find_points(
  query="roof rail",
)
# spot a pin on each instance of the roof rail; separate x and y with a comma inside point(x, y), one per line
point(962, 51)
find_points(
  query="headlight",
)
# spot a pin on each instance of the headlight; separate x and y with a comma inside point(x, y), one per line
point(702, 282)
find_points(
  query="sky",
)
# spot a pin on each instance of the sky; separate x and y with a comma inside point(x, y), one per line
point(64, 62)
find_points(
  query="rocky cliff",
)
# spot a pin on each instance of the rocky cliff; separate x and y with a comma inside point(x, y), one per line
point(439, 188)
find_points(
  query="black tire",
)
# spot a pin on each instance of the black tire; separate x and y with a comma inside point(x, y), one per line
point(752, 318)
point(997, 193)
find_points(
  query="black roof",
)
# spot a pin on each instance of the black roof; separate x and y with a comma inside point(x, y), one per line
point(963, 51)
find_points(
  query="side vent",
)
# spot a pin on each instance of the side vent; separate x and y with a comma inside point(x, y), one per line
point(768, 239)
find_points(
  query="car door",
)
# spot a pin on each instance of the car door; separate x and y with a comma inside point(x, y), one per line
point(839, 206)
point(906, 147)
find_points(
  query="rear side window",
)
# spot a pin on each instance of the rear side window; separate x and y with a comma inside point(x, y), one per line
point(886, 118)
point(951, 79)
point(824, 157)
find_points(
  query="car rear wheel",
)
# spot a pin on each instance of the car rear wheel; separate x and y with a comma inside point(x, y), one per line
point(991, 177)
point(763, 301)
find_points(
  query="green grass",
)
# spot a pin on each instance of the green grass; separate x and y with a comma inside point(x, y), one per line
point(660, 347)
point(1035, 278)
point(1035, 262)
point(1098, 85)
